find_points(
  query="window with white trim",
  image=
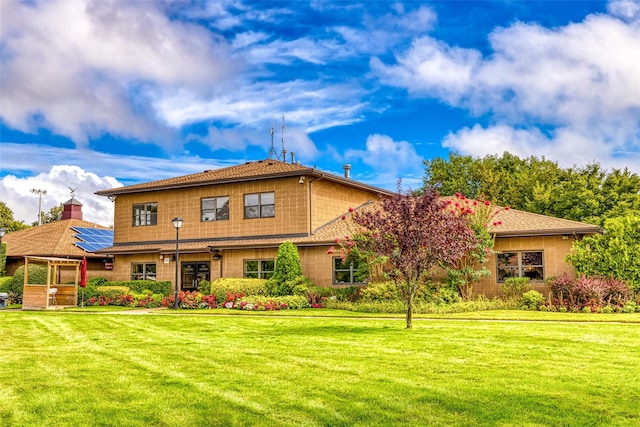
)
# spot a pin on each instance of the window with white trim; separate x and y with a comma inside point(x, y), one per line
point(520, 264)
point(259, 205)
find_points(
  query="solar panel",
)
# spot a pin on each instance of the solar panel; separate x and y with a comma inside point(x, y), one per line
point(93, 239)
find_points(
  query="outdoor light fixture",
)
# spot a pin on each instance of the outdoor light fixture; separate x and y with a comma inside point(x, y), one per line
point(2, 233)
point(177, 223)
point(301, 180)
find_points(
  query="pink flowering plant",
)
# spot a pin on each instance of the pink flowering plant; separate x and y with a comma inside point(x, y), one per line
point(481, 216)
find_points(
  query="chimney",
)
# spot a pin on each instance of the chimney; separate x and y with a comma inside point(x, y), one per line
point(293, 157)
point(347, 170)
point(72, 209)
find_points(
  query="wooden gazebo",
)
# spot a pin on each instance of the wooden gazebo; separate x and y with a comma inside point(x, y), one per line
point(52, 294)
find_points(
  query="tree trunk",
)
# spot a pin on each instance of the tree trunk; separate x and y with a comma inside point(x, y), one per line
point(410, 311)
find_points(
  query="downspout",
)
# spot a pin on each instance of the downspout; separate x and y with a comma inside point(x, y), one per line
point(310, 204)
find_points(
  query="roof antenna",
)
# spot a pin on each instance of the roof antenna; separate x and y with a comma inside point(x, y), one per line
point(284, 152)
point(272, 150)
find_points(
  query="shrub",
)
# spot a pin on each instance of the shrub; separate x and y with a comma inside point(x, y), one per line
point(296, 286)
point(148, 300)
point(440, 293)
point(616, 291)
point(112, 291)
point(287, 278)
point(349, 293)
point(37, 276)
point(222, 287)
point(288, 265)
point(317, 294)
point(204, 287)
point(515, 287)
point(589, 291)
point(630, 307)
point(421, 307)
point(531, 300)
point(261, 302)
point(381, 291)
point(561, 286)
point(5, 283)
point(141, 286)
point(97, 281)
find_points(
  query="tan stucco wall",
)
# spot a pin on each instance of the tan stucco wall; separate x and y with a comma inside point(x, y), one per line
point(330, 200)
point(554, 249)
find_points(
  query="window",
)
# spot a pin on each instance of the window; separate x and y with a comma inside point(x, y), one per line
point(214, 208)
point(259, 205)
point(145, 214)
point(347, 272)
point(143, 271)
point(259, 269)
point(520, 264)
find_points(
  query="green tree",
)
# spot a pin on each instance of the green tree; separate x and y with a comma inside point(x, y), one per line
point(581, 193)
point(54, 214)
point(7, 221)
point(615, 253)
point(287, 278)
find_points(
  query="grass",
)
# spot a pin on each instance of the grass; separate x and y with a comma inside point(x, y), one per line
point(93, 368)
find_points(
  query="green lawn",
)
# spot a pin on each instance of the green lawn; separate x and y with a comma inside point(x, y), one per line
point(80, 368)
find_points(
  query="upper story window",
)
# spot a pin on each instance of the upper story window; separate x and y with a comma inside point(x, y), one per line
point(145, 214)
point(520, 264)
point(214, 208)
point(259, 205)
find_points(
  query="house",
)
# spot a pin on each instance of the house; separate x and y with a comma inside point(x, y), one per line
point(71, 238)
point(530, 245)
point(234, 219)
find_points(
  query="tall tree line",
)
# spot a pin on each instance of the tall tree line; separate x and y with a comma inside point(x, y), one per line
point(586, 193)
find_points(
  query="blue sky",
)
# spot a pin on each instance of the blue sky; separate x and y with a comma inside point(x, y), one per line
point(97, 94)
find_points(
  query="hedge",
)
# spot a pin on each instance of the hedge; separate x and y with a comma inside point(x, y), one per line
point(140, 286)
point(5, 284)
point(224, 286)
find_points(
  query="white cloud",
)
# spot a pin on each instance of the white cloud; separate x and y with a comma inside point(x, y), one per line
point(565, 145)
point(81, 68)
point(580, 83)
point(625, 9)
point(433, 68)
point(56, 182)
point(390, 160)
point(128, 169)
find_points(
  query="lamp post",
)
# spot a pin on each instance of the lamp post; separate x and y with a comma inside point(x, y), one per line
point(177, 223)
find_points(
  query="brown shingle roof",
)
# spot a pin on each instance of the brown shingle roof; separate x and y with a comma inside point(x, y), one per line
point(52, 239)
point(521, 223)
point(250, 171)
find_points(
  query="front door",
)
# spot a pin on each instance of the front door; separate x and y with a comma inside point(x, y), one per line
point(193, 273)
